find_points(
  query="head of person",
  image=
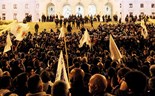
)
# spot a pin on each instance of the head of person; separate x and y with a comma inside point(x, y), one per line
point(85, 68)
point(136, 81)
point(1, 72)
point(97, 84)
point(60, 89)
point(152, 70)
point(35, 84)
point(76, 75)
point(151, 83)
point(45, 76)
point(5, 82)
point(30, 71)
point(21, 80)
point(121, 73)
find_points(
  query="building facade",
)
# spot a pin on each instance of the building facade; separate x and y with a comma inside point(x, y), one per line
point(18, 9)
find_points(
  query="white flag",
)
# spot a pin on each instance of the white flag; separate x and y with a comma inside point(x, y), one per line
point(85, 39)
point(19, 30)
point(8, 44)
point(8, 27)
point(144, 32)
point(61, 70)
point(62, 33)
point(114, 51)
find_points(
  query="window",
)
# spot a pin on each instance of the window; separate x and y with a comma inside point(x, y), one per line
point(3, 6)
point(14, 6)
point(37, 6)
point(153, 13)
point(15, 16)
point(142, 13)
point(131, 13)
point(37, 15)
point(26, 6)
point(130, 5)
point(141, 5)
point(152, 5)
point(3, 16)
point(120, 5)
point(26, 14)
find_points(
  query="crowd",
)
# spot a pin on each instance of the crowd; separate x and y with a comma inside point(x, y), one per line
point(29, 69)
point(81, 20)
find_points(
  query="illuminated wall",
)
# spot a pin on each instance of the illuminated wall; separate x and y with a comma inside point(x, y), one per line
point(18, 9)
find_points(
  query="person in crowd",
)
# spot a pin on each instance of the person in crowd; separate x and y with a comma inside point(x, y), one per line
point(151, 81)
point(60, 89)
point(152, 70)
point(98, 18)
point(6, 73)
point(91, 21)
point(86, 69)
point(35, 86)
point(64, 22)
point(17, 68)
point(97, 85)
point(36, 52)
point(20, 84)
point(36, 27)
point(1, 72)
point(47, 84)
point(82, 29)
point(43, 18)
point(120, 78)
point(78, 23)
point(60, 22)
point(69, 28)
point(57, 22)
point(5, 86)
point(135, 84)
point(77, 83)
point(151, 87)
point(30, 71)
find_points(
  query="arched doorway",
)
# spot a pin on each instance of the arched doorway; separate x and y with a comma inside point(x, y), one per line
point(91, 10)
point(108, 9)
point(67, 11)
point(79, 10)
point(50, 9)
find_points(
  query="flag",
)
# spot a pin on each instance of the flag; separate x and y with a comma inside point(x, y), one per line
point(62, 33)
point(8, 44)
point(19, 30)
point(114, 51)
point(61, 70)
point(7, 27)
point(144, 31)
point(85, 39)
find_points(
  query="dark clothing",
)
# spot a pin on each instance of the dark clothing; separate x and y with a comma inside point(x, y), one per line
point(151, 93)
point(79, 91)
point(125, 93)
point(36, 28)
point(115, 90)
point(21, 91)
point(105, 94)
point(69, 28)
point(82, 30)
point(56, 22)
point(60, 21)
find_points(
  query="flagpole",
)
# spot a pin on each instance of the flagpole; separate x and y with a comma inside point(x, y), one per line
point(66, 57)
point(17, 46)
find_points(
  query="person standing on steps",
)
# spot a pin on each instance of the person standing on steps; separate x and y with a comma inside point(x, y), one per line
point(36, 28)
